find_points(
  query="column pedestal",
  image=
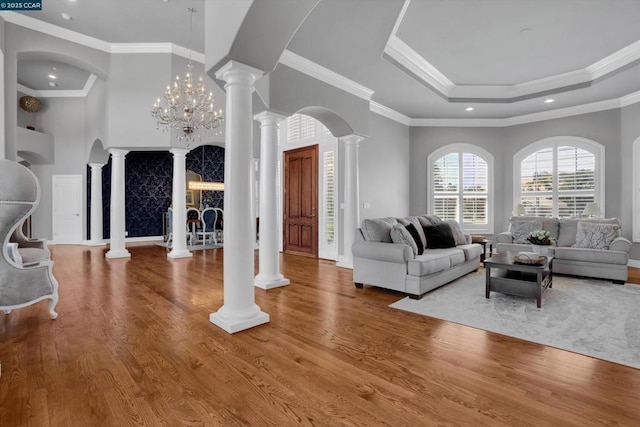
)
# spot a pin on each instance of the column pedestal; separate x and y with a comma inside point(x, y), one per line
point(178, 195)
point(239, 311)
point(118, 225)
point(351, 198)
point(97, 238)
point(269, 276)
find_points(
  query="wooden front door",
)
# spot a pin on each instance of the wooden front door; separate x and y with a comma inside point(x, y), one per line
point(301, 201)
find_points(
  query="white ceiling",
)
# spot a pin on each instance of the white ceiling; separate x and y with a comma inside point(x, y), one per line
point(426, 58)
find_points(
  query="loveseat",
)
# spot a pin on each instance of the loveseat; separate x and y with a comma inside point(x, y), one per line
point(583, 246)
point(378, 261)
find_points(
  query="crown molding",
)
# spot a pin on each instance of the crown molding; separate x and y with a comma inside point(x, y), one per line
point(408, 60)
point(55, 31)
point(81, 93)
point(387, 112)
point(632, 98)
point(323, 74)
point(75, 37)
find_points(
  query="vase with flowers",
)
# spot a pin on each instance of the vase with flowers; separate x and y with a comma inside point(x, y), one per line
point(541, 240)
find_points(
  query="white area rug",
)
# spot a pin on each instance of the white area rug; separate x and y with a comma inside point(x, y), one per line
point(587, 316)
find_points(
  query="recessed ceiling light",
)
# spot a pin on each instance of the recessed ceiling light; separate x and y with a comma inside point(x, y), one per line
point(53, 84)
point(51, 76)
point(549, 100)
point(469, 109)
point(66, 16)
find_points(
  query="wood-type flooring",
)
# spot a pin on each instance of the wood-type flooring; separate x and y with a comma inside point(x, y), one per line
point(133, 346)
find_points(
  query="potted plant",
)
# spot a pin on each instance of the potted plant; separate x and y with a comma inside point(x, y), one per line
point(541, 240)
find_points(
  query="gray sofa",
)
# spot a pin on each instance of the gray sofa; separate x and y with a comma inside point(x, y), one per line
point(578, 251)
point(380, 262)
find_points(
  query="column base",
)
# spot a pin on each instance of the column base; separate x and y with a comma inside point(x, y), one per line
point(181, 253)
point(271, 283)
point(96, 243)
point(122, 253)
point(236, 325)
point(345, 262)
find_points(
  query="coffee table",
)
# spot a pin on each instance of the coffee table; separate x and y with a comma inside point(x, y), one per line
point(506, 276)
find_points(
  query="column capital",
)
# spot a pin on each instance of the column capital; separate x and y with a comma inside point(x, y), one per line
point(237, 72)
point(118, 152)
point(179, 152)
point(269, 118)
point(353, 139)
point(96, 165)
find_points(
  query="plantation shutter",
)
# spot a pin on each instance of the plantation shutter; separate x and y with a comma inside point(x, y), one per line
point(328, 168)
point(446, 177)
point(475, 179)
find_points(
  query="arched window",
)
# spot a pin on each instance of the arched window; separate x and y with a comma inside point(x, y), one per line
point(558, 176)
point(461, 186)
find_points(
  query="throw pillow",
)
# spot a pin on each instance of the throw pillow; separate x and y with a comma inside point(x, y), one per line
point(416, 223)
point(439, 236)
point(595, 236)
point(416, 237)
point(429, 220)
point(458, 233)
point(378, 229)
point(521, 228)
point(400, 234)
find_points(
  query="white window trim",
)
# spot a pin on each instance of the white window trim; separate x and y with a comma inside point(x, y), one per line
point(598, 150)
point(484, 155)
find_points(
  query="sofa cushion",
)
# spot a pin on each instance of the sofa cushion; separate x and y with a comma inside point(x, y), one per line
point(471, 251)
point(569, 228)
point(595, 256)
point(31, 256)
point(428, 263)
point(378, 229)
point(400, 234)
point(456, 255)
point(595, 236)
point(439, 236)
point(456, 230)
point(415, 220)
point(521, 227)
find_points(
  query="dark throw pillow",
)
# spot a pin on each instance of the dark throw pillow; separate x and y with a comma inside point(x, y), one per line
point(416, 237)
point(439, 236)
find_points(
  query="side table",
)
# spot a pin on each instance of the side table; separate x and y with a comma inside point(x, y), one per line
point(485, 242)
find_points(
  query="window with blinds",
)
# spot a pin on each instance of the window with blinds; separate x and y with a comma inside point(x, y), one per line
point(559, 180)
point(328, 177)
point(300, 127)
point(461, 189)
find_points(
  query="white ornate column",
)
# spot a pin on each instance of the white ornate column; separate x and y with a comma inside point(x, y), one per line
point(269, 276)
point(118, 226)
point(178, 196)
point(239, 311)
point(351, 198)
point(97, 238)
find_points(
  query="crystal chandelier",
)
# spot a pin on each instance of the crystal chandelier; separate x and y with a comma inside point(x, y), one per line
point(186, 106)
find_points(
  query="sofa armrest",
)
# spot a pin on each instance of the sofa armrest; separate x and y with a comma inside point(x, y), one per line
point(620, 244)
point(381, 251)
point(504, 237)
point(467, 238)
point(14, 255)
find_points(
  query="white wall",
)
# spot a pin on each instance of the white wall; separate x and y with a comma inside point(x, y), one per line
point(630, 131)
point(96, 114)
point(2, 84)
point(384, 175)
point(64, 118)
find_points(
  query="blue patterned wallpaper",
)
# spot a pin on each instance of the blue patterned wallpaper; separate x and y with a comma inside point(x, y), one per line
point(148, 178)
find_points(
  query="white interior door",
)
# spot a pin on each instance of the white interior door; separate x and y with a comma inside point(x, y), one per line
point(67, 209)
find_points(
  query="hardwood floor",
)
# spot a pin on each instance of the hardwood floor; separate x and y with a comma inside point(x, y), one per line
point(133, 346)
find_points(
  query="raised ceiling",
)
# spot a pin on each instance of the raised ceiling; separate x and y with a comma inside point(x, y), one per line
point(428, 59)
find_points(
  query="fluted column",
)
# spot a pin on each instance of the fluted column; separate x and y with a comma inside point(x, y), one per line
point(269, 276)
point(178, 195)
point(118, 225)
point(97, 238)
point(239, 311)
point(351, 198)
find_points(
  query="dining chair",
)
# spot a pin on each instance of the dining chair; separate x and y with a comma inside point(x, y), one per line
point(193, 224)
point(208, 219)
point(219, 225)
